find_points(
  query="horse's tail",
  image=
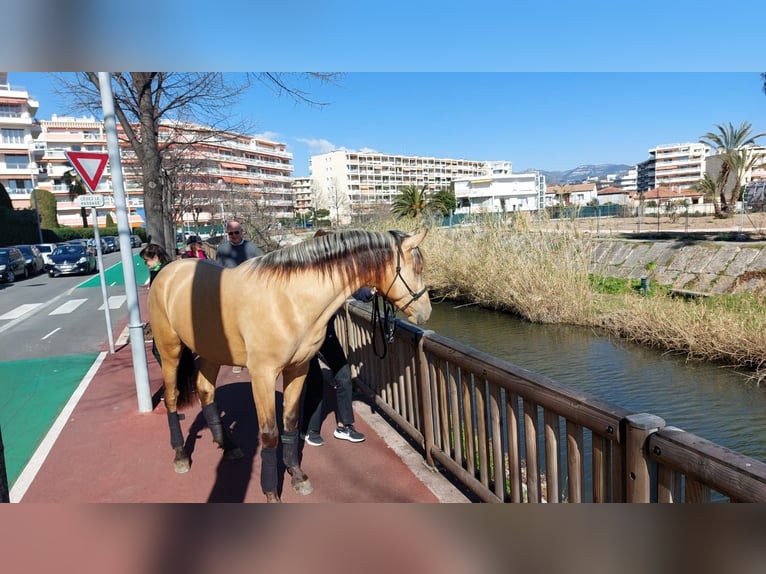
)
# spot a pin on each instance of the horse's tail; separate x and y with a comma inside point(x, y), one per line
point(186, 378)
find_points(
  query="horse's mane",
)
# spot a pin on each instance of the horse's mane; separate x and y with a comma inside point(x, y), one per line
point(353, 253)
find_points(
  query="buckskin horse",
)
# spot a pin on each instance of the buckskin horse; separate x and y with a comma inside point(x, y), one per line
point(269, 314)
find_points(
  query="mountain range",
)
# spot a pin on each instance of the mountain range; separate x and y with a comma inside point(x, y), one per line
point(581, 173)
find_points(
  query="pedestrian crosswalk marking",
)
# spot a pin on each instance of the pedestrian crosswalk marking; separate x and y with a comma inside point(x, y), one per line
point(115, 302)
point(67, 307)
point(20, 310)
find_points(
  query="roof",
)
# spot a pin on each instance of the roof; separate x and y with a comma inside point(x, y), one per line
point(670, 194)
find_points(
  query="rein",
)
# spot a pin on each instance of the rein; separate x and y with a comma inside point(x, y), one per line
point(385, 322)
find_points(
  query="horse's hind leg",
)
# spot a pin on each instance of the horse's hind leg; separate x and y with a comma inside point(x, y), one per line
point(208, 373)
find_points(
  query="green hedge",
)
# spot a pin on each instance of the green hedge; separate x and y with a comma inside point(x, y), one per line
point(18, 227)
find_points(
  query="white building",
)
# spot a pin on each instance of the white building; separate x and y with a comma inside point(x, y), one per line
point(19, 152)
point(504, 193)
point(352, 183)
point(678, 165)
point(581, 194)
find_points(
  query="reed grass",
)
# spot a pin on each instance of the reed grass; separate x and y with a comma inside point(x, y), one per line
point(541, 274)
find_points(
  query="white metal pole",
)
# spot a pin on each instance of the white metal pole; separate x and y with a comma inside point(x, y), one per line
point(101, 271)
point(135, 326)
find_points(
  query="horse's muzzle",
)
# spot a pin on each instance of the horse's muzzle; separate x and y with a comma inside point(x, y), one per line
point(419, 312)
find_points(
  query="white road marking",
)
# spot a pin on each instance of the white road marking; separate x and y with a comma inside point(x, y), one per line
point(67, 307)
point(51, 333)
point(20, 311)
point(115, 302)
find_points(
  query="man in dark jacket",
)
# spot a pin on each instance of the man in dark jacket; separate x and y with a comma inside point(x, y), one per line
point(237, 249)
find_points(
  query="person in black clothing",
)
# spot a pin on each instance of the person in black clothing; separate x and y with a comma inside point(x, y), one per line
point(155, 257)
point(331, 354)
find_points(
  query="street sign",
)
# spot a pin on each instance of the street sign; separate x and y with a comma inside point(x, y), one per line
point(89, 165)
point(90, 200)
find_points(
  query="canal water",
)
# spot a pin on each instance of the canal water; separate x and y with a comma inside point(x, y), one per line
point(714, 402)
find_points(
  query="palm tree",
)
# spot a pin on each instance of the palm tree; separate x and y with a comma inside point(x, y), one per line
point(411, 202)
point(76, 187)
point(444, 200)
point(729, 142)
point(707, 187)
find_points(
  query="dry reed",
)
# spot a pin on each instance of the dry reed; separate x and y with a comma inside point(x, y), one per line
point(542, 275)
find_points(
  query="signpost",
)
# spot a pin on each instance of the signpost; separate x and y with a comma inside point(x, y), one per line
point(90, 167)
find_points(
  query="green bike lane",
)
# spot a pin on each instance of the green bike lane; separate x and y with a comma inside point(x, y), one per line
point(34, 392)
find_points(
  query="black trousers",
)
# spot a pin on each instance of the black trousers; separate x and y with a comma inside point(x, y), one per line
point(313, 390)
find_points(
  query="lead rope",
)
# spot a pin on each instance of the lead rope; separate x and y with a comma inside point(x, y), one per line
point(386, 325)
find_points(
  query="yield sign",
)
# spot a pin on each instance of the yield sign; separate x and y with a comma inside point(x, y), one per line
point(89, 164)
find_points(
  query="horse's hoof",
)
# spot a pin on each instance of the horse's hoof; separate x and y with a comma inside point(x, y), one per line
point(181, 465)
point(303, 487)
point(272, 497)
point(233, 453)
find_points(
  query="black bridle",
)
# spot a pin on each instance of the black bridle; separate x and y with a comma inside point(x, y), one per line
point(386, 321)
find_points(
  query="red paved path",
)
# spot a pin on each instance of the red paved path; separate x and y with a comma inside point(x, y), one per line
point(109, 452)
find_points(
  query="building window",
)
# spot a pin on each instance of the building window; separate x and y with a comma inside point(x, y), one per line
point(16, 161)
point(13, 136)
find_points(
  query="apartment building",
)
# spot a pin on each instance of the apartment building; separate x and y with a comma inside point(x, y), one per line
point(218, 175)
point(19, 151)
point(61, 134)
point(355, 183)
point(500, 193)
point(678, 165)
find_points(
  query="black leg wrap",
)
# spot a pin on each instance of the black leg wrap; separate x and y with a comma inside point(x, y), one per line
point(269, 470)
point(290, 448)
point(213, 420)
point(176, 436)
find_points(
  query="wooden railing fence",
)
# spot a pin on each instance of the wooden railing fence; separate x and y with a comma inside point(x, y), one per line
point(511, 435)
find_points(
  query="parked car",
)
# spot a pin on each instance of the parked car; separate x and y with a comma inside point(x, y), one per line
point(135, 241)
point(33, 257)
point(46, 249)
point(71, 259)
point(92, 245)
point(12, 264)
point(112, 243)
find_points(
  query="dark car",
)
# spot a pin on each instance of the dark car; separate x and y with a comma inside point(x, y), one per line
point(12, 264)
point(35, 260)
point(112, 243)
point(135, 241)
point(71, 259)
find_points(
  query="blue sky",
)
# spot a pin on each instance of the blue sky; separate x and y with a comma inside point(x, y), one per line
point(541, 120)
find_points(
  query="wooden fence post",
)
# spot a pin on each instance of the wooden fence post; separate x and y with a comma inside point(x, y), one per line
point(638, 427)
point(426, 400)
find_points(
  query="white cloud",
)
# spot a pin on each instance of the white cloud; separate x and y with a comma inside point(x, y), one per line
point(317, 146)
point(368, 150)
point(270, 136)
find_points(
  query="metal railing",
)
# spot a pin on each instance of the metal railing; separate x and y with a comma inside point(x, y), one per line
point(511, 435)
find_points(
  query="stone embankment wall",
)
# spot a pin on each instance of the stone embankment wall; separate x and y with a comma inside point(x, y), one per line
point(706, 266)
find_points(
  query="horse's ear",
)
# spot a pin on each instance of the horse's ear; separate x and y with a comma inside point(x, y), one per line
point(413, 241)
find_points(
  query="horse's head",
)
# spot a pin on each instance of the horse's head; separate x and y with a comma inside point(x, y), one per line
point(407, 290)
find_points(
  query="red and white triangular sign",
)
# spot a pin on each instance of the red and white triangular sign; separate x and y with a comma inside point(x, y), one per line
point(89, 164)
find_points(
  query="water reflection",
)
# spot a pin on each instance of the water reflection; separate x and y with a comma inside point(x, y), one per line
point(713, 402)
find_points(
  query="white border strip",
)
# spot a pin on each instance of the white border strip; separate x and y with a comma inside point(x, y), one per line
point(26, 477)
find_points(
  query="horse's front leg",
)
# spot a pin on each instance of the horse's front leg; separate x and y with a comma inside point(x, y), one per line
point(208, 373)
point(170, 366)
point(293, 386)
